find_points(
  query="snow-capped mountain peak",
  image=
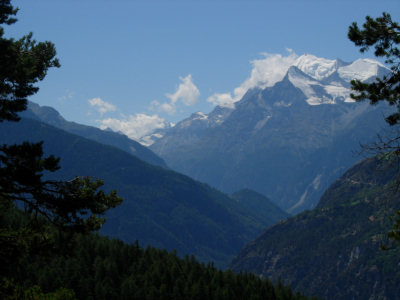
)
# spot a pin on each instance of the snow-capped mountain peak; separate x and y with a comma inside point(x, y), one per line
point(321, 68)
point(325, 81)
point(316, 67)
point(315, 92)
point(361, 69)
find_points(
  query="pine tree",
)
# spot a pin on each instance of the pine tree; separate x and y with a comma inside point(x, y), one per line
point(383, 34)
point(73, 206)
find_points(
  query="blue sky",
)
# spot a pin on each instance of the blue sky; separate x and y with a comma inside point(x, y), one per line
point(132, 65)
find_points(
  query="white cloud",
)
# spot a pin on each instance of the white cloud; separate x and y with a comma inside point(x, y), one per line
point(169, 108)
point(134, 126)
point(187, 92)
point(224, 100)
point(265, 72)
point(101, 106)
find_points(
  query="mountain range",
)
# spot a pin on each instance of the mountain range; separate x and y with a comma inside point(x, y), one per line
point(334, 251)
point(161, 208)
point(288, 140)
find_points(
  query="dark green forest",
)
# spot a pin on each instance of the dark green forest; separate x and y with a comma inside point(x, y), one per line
point(95, 267)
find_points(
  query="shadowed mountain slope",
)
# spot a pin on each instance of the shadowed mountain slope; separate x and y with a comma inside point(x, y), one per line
point(259, 206)
point(161, 207)
point(52, 117)
point(334, 250)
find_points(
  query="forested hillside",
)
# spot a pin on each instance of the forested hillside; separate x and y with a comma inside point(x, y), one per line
point(334, 251)
point(94, 267)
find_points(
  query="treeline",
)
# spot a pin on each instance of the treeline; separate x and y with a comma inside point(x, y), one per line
point(94, 267)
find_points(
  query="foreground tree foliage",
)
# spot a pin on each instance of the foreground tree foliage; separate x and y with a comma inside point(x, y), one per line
point(68, 206)
point(383, 34)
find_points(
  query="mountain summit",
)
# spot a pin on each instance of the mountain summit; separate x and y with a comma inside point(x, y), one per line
point(327, 81)
point(286, 139)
